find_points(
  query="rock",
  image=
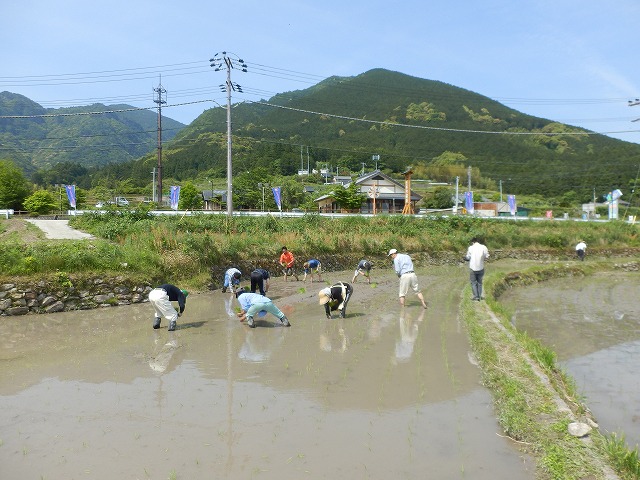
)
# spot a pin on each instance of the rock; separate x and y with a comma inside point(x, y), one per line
point(48, 301)
point(17, 310)
point(56, 307)
point(579, 429)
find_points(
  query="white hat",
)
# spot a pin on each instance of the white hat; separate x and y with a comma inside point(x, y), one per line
point(391, 252)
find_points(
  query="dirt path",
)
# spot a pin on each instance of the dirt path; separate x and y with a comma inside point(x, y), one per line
point(59, 230)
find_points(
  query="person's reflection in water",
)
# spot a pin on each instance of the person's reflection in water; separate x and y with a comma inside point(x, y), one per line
point(334, 338)
point(408, 333)
point(228, 305)
point(259, 348)
point(376, 325)
point(162, 355)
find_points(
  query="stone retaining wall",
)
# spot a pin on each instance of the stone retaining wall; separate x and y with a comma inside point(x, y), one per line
point(62, 293)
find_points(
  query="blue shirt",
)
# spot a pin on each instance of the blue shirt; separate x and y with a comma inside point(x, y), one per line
point(313, 263)
point(402, 264)
point(246, 300)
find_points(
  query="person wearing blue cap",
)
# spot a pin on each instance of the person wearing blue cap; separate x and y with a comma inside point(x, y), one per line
point(252, 304)
point(161, 297)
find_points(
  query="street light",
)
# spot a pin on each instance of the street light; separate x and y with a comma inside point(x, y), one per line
point(229, 62)
point(263, 186)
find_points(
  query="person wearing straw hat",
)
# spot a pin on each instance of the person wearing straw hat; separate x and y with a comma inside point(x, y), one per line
point(335, 297)
point(161, 297)
point(403, 265)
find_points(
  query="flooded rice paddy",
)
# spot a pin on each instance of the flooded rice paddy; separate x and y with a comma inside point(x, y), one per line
point(593, 324)
point(385, 393)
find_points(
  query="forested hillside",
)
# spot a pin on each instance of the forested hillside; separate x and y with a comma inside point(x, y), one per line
point(85, 135)
point(436, 128)
point(440, 130)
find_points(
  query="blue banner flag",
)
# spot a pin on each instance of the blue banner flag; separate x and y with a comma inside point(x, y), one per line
point(468, 202)
point(276, 197)
point(511, 200)
point(71, 194)
point(174, 196)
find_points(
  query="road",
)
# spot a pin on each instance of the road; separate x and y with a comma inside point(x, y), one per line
point(59, 230)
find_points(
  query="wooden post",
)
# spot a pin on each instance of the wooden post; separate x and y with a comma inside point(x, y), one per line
point(408, 206)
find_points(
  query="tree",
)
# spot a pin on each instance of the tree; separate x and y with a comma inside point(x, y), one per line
point(40, 202)
point(440, 197)
point(190, 197)
point(13, 186)
point(349, 198)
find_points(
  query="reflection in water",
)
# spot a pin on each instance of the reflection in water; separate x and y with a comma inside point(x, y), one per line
point(259, 346)
point(333, 337)
point(592, 324)
point(160, 360)
point(408, 333)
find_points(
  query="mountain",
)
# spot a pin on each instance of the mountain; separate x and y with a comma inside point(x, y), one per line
point(408, 121)
point(93, 135)
point(437, 129)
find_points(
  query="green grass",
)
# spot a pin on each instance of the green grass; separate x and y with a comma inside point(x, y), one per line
point(526, 406)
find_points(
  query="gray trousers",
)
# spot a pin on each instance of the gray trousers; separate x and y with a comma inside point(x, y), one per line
point(476, 283)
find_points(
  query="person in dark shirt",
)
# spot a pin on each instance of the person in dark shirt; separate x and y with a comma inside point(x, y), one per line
point(335, 297)
point(260, 280)
point(161, 297)
point(363, 268)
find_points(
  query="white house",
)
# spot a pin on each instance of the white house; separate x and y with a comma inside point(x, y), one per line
point(389, 195)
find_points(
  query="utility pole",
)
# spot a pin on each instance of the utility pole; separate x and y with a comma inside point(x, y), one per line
point(455, 204)
point(633, 103)
point(160, 100)
point(500, 191)
point(153, 194)
point(218, 63)
point(469, 177)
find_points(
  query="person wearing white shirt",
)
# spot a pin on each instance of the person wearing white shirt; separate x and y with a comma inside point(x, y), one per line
point(403, 266)
point(581, 248)
point(477, 253)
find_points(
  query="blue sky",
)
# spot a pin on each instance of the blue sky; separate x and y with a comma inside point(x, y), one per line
point(566, 60)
